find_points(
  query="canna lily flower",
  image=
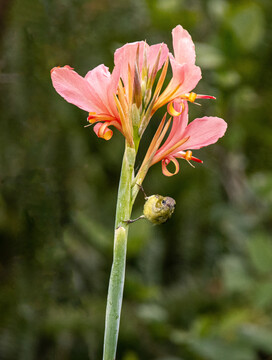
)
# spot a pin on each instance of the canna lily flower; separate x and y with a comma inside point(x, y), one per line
point(186, 74)
point(93, 93)
point(183, 138)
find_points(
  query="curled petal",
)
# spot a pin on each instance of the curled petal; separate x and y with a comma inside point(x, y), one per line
point(102, 131)
point(165, 162)
point(172, 111)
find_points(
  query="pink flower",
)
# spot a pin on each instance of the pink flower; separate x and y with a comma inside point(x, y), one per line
point(93, 93)
point(183, 138)
point(186, 74)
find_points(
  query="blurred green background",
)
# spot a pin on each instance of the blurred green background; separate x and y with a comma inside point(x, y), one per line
point(198, 287)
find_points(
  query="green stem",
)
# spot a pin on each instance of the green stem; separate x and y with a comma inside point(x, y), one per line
point(117, 276)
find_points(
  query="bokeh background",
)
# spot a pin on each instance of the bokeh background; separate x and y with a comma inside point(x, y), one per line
point(198, 287)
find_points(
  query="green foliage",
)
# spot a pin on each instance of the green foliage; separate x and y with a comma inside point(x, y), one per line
point(197, 287)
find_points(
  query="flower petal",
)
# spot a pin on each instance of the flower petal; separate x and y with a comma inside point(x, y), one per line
point(178, 126)
point(172, 111)
point(203, 132)
point(186, 76)
point(103, 87)
point(153, 53)
point(102, 131)
point(125, 57)
point(184, 48)
point(73, 88)
point(165, 162)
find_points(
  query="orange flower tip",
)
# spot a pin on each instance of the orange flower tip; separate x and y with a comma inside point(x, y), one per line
point(172, 111)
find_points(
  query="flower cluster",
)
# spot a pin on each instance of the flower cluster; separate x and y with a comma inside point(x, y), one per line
point(128, 97)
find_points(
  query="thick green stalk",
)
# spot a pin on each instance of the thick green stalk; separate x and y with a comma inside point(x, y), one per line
point(117, 276)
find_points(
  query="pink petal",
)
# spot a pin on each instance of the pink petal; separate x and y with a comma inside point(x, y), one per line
point(203, 132)
point(165, 162)
point(153, 53)
point(126, 56)
point(102, 131)
point(103, 86)
point(73, 88)
point(184, 48)
point(186, 76)
point(178, 126)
